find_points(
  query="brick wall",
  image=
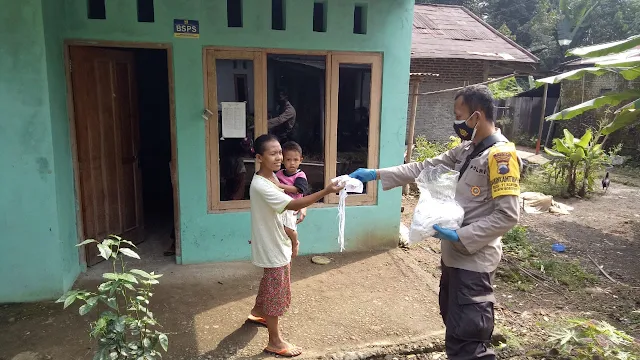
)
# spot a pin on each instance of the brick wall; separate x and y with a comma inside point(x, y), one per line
point(576, 92)
point(435, 112)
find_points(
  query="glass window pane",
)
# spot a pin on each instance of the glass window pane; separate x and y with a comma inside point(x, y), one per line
point(235, 84)
point(354, 97)
point(296, 108)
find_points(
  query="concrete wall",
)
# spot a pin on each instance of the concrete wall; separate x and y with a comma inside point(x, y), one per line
point(37, 197)
point(38, 258)
point(576, 92)
point(434, 118)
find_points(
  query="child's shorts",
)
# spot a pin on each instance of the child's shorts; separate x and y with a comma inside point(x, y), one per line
point(274, 294)
point(290, 219)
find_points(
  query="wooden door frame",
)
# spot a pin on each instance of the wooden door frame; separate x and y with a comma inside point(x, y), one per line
point(168, 47)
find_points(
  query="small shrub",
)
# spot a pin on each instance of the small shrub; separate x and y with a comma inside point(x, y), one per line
point(425, 149)
point(526, 140)
point(125, 330)
point(516, 243)
point(592, 339)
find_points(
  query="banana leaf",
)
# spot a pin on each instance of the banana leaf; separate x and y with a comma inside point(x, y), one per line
point(586, 139)
point(578, 155)
point(625, 116)
point(561, 147)
point(605, 49)
point(572, 75)
point(626, 62)
point(554, 153)
point(570, 140)
point(609, 99)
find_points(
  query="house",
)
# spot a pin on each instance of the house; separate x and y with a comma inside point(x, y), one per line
point(462, 49)
point(106, 102)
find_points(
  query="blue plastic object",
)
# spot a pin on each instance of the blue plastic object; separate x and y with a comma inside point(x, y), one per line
point(558, 248)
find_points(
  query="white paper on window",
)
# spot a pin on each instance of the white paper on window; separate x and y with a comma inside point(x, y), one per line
point(234, 119)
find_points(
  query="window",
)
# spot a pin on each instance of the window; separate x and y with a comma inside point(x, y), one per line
point(231, 79)
point(278, 14)
point(242, 89)
point(234, 13)
point(605, 91)
point(96, 9)
point(355, 99)
point(319, 17)
point(145, 11)
point(360, 19)
point(328, 102)
point(296, 104)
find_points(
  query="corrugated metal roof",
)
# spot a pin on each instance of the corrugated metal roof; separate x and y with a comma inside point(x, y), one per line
point(442, 31)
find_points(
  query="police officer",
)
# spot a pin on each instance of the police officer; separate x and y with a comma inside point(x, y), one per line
point(488, 190)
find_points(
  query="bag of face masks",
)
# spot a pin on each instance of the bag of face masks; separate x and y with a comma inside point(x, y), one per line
point(437, 204)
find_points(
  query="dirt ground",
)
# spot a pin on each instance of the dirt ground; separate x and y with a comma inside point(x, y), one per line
point(358, 299)
point(605, 227)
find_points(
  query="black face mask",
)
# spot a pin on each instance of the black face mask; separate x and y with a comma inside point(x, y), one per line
point(464, 131)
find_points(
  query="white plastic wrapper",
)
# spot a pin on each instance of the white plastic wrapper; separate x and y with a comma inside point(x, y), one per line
point(437, 204)
point(351, 185)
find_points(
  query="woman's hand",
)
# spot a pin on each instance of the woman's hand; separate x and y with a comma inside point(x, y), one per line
point(334, 188)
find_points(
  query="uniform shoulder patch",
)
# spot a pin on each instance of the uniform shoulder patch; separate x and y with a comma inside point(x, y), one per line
point(504, 170)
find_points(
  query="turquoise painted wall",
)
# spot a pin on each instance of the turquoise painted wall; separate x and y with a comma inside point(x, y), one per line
point(37, 200)
point(35, 262)
point(53, 19)
point(224, 237)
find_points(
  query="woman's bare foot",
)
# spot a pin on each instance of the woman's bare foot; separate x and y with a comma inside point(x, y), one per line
point(257, 312)
point(283, 349)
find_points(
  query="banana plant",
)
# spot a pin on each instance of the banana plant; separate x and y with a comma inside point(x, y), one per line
point(572, 155)
point(620, 57)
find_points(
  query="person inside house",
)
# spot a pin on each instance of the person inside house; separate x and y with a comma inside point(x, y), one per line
point(488, 190)
point(282, 125)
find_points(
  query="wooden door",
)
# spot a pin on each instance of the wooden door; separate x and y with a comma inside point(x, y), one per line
point(107, 140)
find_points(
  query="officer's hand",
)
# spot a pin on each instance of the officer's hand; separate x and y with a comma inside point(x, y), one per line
point(364, 175)
point(446, 234)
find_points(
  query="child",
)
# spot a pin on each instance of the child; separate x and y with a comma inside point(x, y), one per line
point(294, 183)
point(271, 249)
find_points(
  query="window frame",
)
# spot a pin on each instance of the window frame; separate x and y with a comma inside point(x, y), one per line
point(373, 145)
point(333, 59)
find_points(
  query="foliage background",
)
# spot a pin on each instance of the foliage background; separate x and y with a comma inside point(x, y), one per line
point(533, 24)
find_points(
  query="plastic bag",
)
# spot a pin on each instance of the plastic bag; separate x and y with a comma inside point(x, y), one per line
point(437, 204)
point(351, 185)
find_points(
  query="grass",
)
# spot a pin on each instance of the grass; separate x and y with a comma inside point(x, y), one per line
point(538, 258)
point(538, 181)
point(626, 175)
point(587, 339)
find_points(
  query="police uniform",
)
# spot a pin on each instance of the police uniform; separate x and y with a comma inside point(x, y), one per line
point(488, 191)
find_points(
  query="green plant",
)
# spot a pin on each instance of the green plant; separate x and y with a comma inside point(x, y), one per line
point(616, 61)
point(525, 259)
point(425, 149)
point(506, 88)
point(524, 139)
point(578, 159)
point(592, 339)
point(125, 330)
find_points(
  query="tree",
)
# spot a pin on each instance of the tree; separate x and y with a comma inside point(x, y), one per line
point(504, 30)
point(616, 62)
